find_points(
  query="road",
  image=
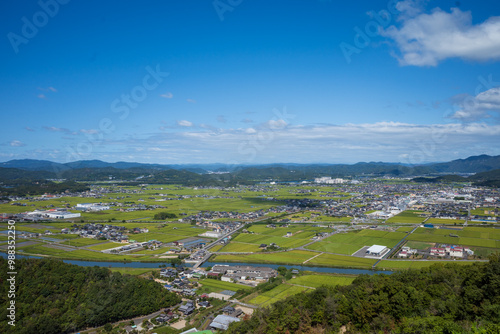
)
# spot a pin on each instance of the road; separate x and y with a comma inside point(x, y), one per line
point(389, 253)
point(210, 245)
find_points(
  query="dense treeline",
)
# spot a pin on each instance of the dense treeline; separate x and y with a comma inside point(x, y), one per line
point(54, 297)
point(440, 299)
point(40, 187)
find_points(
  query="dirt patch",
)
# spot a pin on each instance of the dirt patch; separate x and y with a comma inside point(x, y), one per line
point(246, 310)
point(179, 324)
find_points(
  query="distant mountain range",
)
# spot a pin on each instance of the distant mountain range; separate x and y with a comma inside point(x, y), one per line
point(93, 170)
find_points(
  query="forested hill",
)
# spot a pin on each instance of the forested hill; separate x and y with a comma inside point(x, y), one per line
point(440, 299)
point(54, 297)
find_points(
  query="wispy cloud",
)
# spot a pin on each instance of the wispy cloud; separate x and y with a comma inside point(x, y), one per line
point(191, 101)
point(184, 123)
point(426, 39)
point(27, 128)
point(41, 96)
point(17, 143)
point(56, 129)
point(473, 108)
point(48, 89)
point(90, 131)
point(167, 95)
point(350, 143)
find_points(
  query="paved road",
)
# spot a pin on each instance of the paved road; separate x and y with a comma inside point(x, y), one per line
point(236, 301)
point(389, 253)
point(210, 245)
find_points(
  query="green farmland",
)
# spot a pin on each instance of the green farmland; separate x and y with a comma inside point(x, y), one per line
point(349, 243)
point(259, 234)
point(415, 264)
point(407, 217)
point(291, 257)
point(469, 236)
point(280, 292)
point(239, 247)
point(330, 260)
point(317, 280)
point(80, 242)
point(212, 285)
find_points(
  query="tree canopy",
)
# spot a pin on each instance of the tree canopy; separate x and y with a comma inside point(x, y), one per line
point(440, 299)
point(55, 297)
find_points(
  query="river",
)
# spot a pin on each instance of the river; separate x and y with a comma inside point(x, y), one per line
point(210, 264)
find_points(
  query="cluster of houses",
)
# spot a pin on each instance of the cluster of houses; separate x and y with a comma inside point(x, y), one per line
point(443, 251)
point(406, 252)
point(99, 231)
point(179, 280)
point(451, 251)
point(242, 273)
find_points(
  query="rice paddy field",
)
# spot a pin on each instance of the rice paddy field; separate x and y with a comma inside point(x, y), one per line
point(280, 292)
point(331, 260)
point(468, 236)
point(301, 234)
point(179, 200)
point(107, 245)
point(212, 285)
point(239, 247)
point(407, 217)
point(316, 280)
point(297, 257)
point(350, 242)
point(416, 264)
point(80, 242)
point(291, 257)
point(80, 254)
point(442, 221)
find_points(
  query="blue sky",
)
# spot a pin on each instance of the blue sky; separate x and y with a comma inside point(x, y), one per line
point(248, 82)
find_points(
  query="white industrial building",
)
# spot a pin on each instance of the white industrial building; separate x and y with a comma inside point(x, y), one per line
point(329, 180)
point(54, 214)
point(92, 207)
point(376, 251)
point(211, 234)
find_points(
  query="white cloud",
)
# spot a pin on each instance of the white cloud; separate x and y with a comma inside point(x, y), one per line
point(276, 124)
point(348, 143)
point(185, 123)
point(167, 95)
point(473, 108)
point(41, 96)
point(329, 143)
point(17, 143)
point(426, 39)
point(89, 132)
point(56, 129)
point(191, 100)
point(27, 128)
point(48, 89)
point(250, 130)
